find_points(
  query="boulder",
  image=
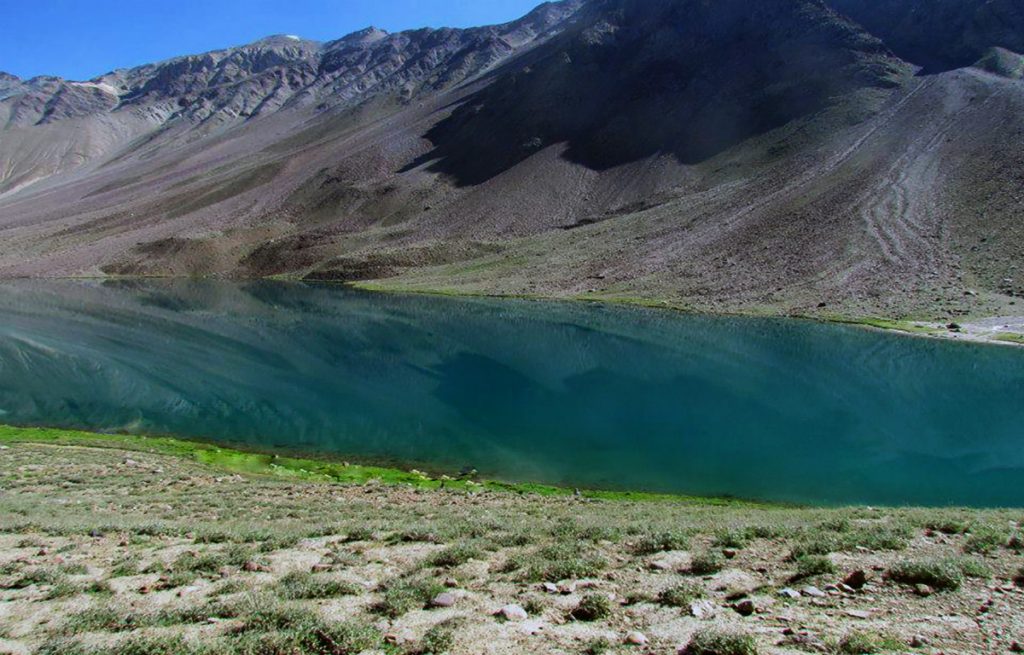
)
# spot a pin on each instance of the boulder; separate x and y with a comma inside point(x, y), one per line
point(744, 607)
point(443, 599)
point(513, 612)
point(635, 638)
point(856, 579)
point(702, 609)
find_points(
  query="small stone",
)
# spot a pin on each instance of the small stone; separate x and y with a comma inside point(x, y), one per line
point(702, 609)
point(789, 593)
point(451, 583)
point(857, 579)
point(858, 614)
point(400, 637)
point(729, 553)
point(513, 613)
point(744, 607)
point(923, 590)
point(813, 592)
point(321, 568)
point(659, 565)
point(845, 588)
point(636, 638)
point(566, 588)
point(806, 641)
point(531, 628)
point(550, 587)
point(443, 599)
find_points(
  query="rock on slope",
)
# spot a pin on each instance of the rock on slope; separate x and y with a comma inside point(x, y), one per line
point(808, 156)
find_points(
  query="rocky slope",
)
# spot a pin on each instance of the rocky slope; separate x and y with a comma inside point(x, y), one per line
point(806, 156)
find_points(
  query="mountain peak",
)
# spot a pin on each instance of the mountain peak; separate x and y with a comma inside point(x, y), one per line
point(366, 35)
point(282, 39)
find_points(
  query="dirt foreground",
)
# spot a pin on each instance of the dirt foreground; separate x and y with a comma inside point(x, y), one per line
point(110, 549)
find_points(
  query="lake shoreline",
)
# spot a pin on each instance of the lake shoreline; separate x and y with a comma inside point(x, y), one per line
point(324, 467)
point(968, 330)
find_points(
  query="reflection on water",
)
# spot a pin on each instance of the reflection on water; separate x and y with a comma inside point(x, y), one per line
point(555, 392)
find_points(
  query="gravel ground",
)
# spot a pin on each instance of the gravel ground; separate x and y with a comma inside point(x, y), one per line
point(106, 551)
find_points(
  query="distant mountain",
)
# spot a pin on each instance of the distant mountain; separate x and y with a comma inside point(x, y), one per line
point(815, 156)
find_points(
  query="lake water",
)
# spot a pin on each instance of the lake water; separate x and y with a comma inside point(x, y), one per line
point(566, 393)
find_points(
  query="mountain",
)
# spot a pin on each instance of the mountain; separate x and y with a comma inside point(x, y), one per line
point(833, 157)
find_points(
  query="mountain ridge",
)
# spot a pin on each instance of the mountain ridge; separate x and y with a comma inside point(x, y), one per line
point(778, 158)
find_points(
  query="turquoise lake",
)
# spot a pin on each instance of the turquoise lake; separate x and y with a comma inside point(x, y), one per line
point(565, 393)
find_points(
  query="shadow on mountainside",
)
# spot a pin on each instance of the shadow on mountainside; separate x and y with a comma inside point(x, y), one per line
point(635, 79)
point(940, 35)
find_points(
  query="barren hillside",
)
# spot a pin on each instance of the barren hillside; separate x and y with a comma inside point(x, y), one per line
point(838, 157)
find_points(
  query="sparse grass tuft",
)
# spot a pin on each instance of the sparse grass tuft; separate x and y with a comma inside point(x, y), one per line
point(559, 561)
point(712, 641)
point(103, 618)
point(986, 540)
point(597, 646)
point(680, 595)
point(403, 596)
point(941, 574)
point(191, 562)
point(947, 525)
point(306, 586)
point(63, 589)
point(974, 568)
point(125, 567)
point(659, 542)
point(137, 645)
point(454, 555)
point(809, 566)
point(731, 538)
point(358, 534)
point(592, 607)
point(865, 643)
point(438, 640)
point(38, 576)
point(706, 563)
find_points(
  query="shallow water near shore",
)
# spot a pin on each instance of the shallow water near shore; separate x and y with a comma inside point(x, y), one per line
point(562, 393)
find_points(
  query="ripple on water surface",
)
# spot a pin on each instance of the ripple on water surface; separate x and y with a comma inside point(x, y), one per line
point(563, 393)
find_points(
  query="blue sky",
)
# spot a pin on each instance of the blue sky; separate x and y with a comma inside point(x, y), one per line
point(79, 39)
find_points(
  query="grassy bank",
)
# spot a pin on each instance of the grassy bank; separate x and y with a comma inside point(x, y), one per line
point(118, 545)
point(233, 460)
